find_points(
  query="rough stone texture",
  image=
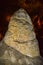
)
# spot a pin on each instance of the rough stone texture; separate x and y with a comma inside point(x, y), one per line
point(10, 56)
point(20, 46)
point(20, 34)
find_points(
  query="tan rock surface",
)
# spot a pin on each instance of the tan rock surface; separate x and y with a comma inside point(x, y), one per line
point(20, 34)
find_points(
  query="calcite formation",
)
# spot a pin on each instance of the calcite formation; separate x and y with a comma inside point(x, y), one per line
point(20, 46)
point(20, 34)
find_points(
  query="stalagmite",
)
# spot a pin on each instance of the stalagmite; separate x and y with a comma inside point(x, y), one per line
point(20, 46)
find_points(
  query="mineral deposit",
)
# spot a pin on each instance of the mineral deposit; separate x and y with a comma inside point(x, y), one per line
point(20, 46)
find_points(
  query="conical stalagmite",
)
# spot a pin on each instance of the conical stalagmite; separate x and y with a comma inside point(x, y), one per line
point(20, 34)
point(20, 46)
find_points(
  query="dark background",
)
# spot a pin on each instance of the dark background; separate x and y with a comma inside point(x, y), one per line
point(33, 7)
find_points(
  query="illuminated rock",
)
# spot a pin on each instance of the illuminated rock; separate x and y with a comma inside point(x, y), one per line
point(20, 34)
point(20, 46)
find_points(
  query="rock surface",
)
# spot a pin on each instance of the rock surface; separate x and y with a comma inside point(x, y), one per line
point(10, 56)
point(20, 46)
point(20, 34)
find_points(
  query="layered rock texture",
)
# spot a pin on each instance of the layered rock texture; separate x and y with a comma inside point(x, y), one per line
point(20, 46)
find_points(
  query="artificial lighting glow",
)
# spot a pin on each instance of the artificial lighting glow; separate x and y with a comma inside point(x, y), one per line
point(39, 24)
point(8, 18)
